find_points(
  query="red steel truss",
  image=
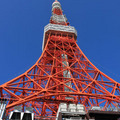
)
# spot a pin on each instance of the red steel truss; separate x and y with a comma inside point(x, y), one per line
point(62, 74)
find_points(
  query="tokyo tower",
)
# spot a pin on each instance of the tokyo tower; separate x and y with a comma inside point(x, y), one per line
point(63, 74)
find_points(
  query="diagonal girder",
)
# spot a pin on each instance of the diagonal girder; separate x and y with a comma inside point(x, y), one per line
point(44, 81)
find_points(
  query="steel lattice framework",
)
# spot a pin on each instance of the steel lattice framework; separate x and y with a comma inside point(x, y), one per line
point(62, 74)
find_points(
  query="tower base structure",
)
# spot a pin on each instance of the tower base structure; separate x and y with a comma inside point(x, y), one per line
point(104, 115)
point(2, 108)
point(17, 114)
point(77, 112)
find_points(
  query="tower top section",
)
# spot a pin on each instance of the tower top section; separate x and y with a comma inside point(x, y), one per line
point(57, 14)
point(58, 24)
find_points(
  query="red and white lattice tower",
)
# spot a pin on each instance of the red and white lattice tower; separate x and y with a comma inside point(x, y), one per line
point(62, 74)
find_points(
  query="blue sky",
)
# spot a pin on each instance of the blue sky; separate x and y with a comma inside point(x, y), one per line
point(21, 32)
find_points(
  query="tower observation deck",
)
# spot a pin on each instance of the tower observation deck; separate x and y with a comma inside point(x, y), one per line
point(62, 75)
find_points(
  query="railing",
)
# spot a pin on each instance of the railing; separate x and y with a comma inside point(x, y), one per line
point(44, 118)
point(115, 109)
point(60, 28)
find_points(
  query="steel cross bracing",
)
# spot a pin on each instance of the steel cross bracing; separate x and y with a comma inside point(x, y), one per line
point(62, 74)
point(42, 86)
